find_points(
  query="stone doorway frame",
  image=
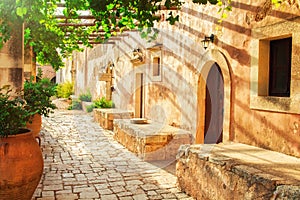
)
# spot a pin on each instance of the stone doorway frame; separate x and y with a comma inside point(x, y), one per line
point(215, 56)
point(139, 93)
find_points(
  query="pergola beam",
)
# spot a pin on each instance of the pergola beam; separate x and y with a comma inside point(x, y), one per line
point(79, 17)
point(76, 24)
point(97, 42)
point(161, 7)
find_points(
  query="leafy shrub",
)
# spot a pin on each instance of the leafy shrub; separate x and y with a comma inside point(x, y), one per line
point(103, 103)
point(13, 115)
point(90, 108)
point(86, 97)
point(75, 105)
point(65, 90)
point(38, 96)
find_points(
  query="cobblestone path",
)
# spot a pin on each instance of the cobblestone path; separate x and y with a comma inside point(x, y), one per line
point(82, 161)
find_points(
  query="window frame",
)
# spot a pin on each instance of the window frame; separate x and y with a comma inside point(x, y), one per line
point(156, 53)
point(273, 71)
point(259, 71)
point(156, 65)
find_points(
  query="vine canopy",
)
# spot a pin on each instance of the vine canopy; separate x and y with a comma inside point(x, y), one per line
point(55, 28)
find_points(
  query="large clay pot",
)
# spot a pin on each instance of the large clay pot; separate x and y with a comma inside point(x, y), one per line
point(35, 125)
point(21, 166)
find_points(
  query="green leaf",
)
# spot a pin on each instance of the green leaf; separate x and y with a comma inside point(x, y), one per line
point(110, 6)
point(21, 11)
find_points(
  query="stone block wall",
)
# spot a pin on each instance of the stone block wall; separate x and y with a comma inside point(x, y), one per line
point(152, 141)
point(174, 98)
point(236, 171)
point(11, 66)
point(105, 117)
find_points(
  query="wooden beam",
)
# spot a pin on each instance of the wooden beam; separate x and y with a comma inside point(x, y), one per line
point(79, 17)
point(161, 7)
point(95, 35)
point(98, 42)
point(76, 24)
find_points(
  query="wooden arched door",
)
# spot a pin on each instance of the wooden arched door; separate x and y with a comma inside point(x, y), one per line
point(214, 106)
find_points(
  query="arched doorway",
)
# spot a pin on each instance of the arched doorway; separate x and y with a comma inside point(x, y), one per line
point(214, 106)
point(217, 67)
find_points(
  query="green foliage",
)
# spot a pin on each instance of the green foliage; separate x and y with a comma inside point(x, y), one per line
point(38, 96)
point(13, 112)
point(65, 90)
point(86, 97)
point(75, 105)
point(51, 42)
point(40, 73)
point(103, 103)
point(90, 108)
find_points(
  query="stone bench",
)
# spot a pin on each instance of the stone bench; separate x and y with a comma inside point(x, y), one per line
point(237, 171)
point(153, 141)
point(106, 116)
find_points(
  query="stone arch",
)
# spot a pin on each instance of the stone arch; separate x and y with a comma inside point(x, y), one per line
point(215, 56)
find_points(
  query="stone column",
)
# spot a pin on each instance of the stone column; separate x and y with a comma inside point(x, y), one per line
point(29, 63)
point(11, 60)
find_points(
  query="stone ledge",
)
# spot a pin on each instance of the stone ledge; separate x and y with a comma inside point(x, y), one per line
point(106, 116)
point(85, 104)
point(153, 141)
point(237, 171)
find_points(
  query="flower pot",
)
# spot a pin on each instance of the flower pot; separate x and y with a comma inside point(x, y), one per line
point(21, 166)
point(35, 125)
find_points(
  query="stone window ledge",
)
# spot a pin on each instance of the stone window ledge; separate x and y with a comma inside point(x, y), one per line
point(275, 104)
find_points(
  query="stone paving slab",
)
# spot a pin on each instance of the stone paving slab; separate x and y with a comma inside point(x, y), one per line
point(83, 161)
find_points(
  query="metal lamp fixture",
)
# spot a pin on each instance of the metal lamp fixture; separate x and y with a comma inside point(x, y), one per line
point(207, 40)
point(111, 67)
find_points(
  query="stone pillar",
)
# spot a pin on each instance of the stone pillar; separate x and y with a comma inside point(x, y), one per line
point(29, 63)
point(11, 60)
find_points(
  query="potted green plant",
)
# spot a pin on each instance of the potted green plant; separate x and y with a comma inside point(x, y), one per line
point(38, 101)
point(21, 161)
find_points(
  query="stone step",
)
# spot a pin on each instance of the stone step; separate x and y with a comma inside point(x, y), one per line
point(106, 116)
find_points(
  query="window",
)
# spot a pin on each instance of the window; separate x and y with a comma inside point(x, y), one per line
point(156, 66)
point(155, 62)
point(280, 67)
point(275, 68)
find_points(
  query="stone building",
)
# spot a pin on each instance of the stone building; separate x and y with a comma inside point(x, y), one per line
point(244, 87)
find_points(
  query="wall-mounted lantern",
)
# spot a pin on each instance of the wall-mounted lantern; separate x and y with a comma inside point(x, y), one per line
point(138, 55)
point(207, 40)
point(112, 71)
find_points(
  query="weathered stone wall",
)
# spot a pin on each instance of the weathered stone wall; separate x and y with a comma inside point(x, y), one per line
point(153, 141)
point(106, 117)
point(236, 171)
point(64, 74)
point(174, 98)
point(11, 67)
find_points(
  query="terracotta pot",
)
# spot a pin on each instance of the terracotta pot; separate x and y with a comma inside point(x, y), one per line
point(21, 166)
point(36, 125)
